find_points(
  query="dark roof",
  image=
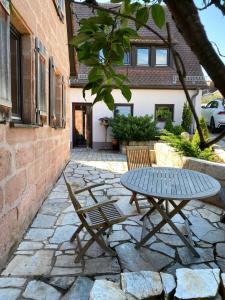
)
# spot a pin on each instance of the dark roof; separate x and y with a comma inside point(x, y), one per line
point(146, 77)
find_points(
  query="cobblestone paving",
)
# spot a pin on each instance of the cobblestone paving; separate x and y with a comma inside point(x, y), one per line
point(43, 265)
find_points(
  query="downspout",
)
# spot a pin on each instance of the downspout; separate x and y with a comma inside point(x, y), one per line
point(193, 99)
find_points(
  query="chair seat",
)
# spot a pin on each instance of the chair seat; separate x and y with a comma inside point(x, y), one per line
point(111, 212)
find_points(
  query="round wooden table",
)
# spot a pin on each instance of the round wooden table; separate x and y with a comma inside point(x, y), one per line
point(169, 184)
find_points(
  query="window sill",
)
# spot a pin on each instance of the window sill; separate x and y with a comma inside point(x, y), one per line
point(22, 125)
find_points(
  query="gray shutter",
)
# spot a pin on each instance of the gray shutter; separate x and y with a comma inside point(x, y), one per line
point(41, 103)
point(52, 92)
point(5, 79)
point(63, 103)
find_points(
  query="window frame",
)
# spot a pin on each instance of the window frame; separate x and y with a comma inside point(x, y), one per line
point(60, 8)
point(40, 60)
point(129, 53)
point(5, 95)
point(167, 56)
point(17, 116)
point(171, 106)
point(131, 105)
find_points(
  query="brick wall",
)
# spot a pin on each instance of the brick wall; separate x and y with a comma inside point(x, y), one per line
point(31, 159)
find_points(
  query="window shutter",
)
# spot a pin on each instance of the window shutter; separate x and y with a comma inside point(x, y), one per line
point(41, 103)
point(63, 103)
point(52, 93)
point(5, 85)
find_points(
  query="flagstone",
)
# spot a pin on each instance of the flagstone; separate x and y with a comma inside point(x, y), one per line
point(30, 246)
point(11, 282)
point(187, 258)
point(38, 264)
point(142, 285)
point(142, 259)
point(62, 282)
point(37, 234)
point(44, 221)
point(101, 265)
point(9, 293)
point(38, 290)
point(62, 234)
point(80, 290)
point(163, 248)
point(197, 284)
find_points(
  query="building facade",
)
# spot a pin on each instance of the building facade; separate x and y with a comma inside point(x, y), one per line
point(34, 110)
point(153, 80)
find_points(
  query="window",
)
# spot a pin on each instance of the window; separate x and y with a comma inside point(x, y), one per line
point(162, 112)
point(126, 59)
point(123, 109)
point(5, 91)
point(161, 57)
point(60, 6)
point(212, 104)
point(16, 87)
point(41, 102)
point(57, 97)
point(142, 56)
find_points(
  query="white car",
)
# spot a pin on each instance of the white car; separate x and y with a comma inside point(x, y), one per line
point(214, 114)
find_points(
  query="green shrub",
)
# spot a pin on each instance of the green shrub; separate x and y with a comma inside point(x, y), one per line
point(186, 147)
point(176, 129)
point(134, 128)
point(186, 118)
point(169, 123)
point(203, 125)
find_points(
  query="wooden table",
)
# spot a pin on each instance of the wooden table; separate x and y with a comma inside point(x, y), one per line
point(169, 184)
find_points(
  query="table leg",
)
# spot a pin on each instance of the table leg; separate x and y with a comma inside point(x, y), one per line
point(180, 212)
point(151, 210)
point(161, 224)
point(167, 219)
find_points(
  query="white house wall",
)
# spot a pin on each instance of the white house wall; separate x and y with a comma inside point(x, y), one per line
point(143, 100)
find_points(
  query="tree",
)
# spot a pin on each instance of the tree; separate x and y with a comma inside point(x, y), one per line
point(109, 32)
point(186, 118)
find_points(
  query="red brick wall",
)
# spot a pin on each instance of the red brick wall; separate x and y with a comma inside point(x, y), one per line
point(31, 159)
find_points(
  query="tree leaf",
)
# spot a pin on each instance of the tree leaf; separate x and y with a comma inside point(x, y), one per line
point(158, 15)
point(88, 86)
point(108, 98)
point(126, 92)
point(142, 16)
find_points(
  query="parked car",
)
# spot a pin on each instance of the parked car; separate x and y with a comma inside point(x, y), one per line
point(214, 114)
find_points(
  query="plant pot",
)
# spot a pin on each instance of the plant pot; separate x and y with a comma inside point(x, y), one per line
point(115, 144)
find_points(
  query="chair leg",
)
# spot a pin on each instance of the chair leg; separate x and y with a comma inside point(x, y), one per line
point(73, 237)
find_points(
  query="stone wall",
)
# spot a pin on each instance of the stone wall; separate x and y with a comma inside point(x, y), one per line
point(168, 157)
point(31, 159)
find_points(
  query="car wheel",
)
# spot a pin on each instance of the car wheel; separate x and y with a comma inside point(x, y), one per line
point(212, 125)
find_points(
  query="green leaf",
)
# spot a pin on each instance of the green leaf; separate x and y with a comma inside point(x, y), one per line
point(80, 38)
point(108, 99)
point(158, 15)
point(116, 1)
point(88, 86)
point(126, 92)
point(142, 16)
point(95, 74)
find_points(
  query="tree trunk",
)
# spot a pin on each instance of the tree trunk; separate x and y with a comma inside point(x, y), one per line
point(188, 22)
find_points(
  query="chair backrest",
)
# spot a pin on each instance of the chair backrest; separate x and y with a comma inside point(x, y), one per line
point(74, 200)
point(138, 157)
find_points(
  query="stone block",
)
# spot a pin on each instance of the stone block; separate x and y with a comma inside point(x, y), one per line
point(5, 163)
point(14, 187)
point(24, 155)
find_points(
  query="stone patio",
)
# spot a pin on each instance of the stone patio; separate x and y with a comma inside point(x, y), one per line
point(43, 265)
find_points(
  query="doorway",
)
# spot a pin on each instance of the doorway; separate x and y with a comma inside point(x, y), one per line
point(82, 124)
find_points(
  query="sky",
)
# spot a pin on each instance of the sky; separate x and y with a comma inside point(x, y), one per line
point(214, 23)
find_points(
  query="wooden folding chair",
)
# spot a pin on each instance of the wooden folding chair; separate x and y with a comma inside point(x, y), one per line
point(138, 157)
point(96, 218)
